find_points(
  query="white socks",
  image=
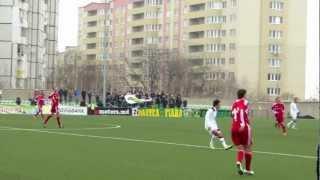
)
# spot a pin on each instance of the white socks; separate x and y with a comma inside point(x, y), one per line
point(292, 124)
point(223, 142)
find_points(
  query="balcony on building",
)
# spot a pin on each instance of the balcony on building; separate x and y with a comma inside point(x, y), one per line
point(197, 21)
point(197, 7)
point(196, 61)
point(196, 48)
point(92, 13)
point(138, 28)
point(91, 46)
point(91, 57)
point(138, 16)
point(20, 50)
point(137, 53)
point(137, 41)
point(136, 65)
point(138, 4)
point(196, 35)
point(92, 35)
point(92, 24)
point(137, 62)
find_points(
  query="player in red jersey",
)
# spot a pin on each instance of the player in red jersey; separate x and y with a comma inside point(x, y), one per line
point(241, 133)
point(55, 99)
point(40, 103)
point(278, 110)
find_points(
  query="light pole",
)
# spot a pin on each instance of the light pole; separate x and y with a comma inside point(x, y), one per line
point(105, 54)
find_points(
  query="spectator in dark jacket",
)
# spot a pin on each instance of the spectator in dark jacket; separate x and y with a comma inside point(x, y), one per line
point(83, 95)
point(178, 101)
point(172, 102)
point(185, 103)
point(89, 96)
point(164, 101)
point(65, 95)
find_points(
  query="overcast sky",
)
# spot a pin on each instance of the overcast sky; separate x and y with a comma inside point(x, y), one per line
point(68, 30)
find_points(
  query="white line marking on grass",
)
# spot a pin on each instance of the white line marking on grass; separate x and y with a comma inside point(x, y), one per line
point(112, 126)
point(153, 142)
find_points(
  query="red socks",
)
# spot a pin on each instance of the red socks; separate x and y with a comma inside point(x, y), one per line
point(58, 121)
point(46, 121)
point(248, 156)
point(284, 129)
point(240, 156)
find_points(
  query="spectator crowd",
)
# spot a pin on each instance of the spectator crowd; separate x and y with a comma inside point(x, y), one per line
point(117, 100)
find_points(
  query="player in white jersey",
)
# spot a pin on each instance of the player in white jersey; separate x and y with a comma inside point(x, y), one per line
point(212, 127)
point(294, 113)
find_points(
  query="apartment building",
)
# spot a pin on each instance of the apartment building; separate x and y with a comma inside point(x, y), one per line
point(258, 45)
point(140, 26)
point(94, 41)
point(28, 39)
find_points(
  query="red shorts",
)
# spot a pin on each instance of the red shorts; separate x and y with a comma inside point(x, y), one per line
point(40, 107)
point(242, 137)
point(54, 110)
point(279, 118)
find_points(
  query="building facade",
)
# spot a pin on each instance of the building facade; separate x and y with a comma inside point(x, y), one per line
point(28, 40)
point(142, 26)
point(94, 41)
point(258, 45)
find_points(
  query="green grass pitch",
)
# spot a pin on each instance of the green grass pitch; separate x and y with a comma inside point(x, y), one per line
point(147, 149)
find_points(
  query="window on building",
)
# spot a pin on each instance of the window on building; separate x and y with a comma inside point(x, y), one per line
point(273, 91)
point(153, 2)
point(20, 49)
point(153, 27)
point(196, 21)
point(213, 4)
point(215, 33)
point(196, 48)
point(233, 18)
point(197, 7)
point(215, 61)
point(275, 19)
point(223, 76)
point(232, 76)
point(91, 35)
point(138, 4)
point(274, 76)
point(276, 5)
point(232, 60)
point(232, 32)
point(24, 32)
point(137, 53)
point(92, 23)
point(91, 46)
point(274, 62)
point(275, 34)
point(138, 28)
point(274, 48)
point(232, 46)
point(91, 57)
point(196, 35)
point(92, 13)
point(223, 61)
point(234, 3)
point(215, 47)
point(216, 19)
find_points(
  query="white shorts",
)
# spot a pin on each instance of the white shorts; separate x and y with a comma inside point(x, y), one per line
point(212, 128)
point(294, 116)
